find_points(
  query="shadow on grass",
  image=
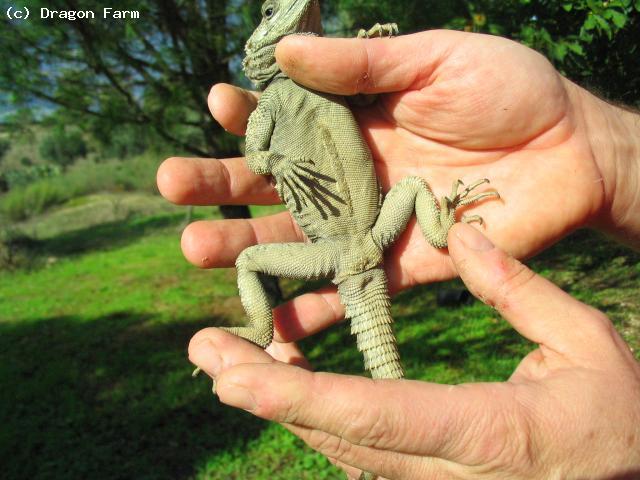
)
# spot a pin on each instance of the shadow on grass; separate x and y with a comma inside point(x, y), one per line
point(584, 260)
point(427, 336)
point(108, 398)
point(104, 236)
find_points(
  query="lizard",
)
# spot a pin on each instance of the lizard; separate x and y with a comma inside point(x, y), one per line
point(309, 143)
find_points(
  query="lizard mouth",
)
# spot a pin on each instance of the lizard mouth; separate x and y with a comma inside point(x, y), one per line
point(299, 16)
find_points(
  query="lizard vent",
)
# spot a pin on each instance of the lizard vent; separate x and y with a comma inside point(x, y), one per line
point(367, 305)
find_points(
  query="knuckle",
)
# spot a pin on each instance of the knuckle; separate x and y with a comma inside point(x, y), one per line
point(334, 447)
point(278, 409)
point(363, 80)
point(285, 406)
point(370, 428)
point(599, 321)
point(502, 445)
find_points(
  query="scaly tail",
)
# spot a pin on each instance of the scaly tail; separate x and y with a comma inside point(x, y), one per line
point(366, 299)
point(367, 304)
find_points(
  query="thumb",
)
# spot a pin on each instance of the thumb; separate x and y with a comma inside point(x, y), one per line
point(347, 66)
point(537, 309)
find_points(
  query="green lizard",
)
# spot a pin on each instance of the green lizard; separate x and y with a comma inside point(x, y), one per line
point(310, 143)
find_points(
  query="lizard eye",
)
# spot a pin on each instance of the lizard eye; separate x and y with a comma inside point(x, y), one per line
point(268, 12)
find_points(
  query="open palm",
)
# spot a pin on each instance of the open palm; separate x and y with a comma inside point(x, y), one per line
point(452, 105)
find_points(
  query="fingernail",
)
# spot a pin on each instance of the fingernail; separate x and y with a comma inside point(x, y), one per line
point(205, 356)
point(239, 397)
point(473, 239)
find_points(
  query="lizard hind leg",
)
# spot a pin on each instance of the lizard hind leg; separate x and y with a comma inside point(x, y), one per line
point(367, 476)
point(435, 218)
point(290, 260)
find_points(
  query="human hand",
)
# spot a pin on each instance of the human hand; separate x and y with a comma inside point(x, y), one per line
point(454, 105)
point(570, 410)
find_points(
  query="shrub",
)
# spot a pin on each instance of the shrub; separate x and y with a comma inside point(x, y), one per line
point(5, 145)
point(24, 176)
point(62, 147)
point(21, 203)
point(14, 250)
point(125, 142)
point(26, 200)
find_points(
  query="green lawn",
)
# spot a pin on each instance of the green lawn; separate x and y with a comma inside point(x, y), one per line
point(93, 370)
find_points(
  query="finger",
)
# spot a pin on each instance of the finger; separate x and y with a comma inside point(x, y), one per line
point(207, 181)
point(307, 314)
point(209, 244)
point(231, 106)
point(352, 472)
point(350, 66)
point(382, 415)
point(288, 353)
point(535, 307)
point(214, 350)
point(354, 459)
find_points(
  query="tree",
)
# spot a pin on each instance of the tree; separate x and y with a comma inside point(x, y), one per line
point(5, 145)
point(153, 72)
point(592, 42)
point(63, 147)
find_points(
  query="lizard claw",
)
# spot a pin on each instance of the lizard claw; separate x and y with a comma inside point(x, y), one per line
point(462, 198)
point(472, 218)
point(195, 374)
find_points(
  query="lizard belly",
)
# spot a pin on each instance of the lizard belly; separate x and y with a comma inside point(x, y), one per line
point(327, 180)
point(314, 199)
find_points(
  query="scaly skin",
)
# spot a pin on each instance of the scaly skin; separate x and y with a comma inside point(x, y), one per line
point(310, 143)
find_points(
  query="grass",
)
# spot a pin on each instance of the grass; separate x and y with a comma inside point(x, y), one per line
point(93, 364)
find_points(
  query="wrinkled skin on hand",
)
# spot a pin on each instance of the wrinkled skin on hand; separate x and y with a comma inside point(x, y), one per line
point(570, 410)
point(460, 106)
point(453, 105)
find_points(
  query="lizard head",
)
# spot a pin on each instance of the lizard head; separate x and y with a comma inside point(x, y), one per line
point(279, 19)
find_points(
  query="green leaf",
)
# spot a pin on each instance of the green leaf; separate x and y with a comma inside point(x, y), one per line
point(560, 51)
point(568, 7)
point(637, 5)
point(595, 6)
point(576, 48)
point(603, 25)
point(619, 19)
point(590, 22)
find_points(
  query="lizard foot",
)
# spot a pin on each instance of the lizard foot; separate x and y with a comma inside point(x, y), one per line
point(367, 476)
point(197, 371)
point(261, 337)
point(459, 199)
point(379, 30)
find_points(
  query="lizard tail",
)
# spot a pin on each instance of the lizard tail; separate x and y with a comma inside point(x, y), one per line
point(366, 299)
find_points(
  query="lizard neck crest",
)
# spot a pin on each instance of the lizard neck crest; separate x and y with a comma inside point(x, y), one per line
point(279, 19)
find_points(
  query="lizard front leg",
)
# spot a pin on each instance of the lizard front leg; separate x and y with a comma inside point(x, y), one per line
point(290, 260)
point(435, 218)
